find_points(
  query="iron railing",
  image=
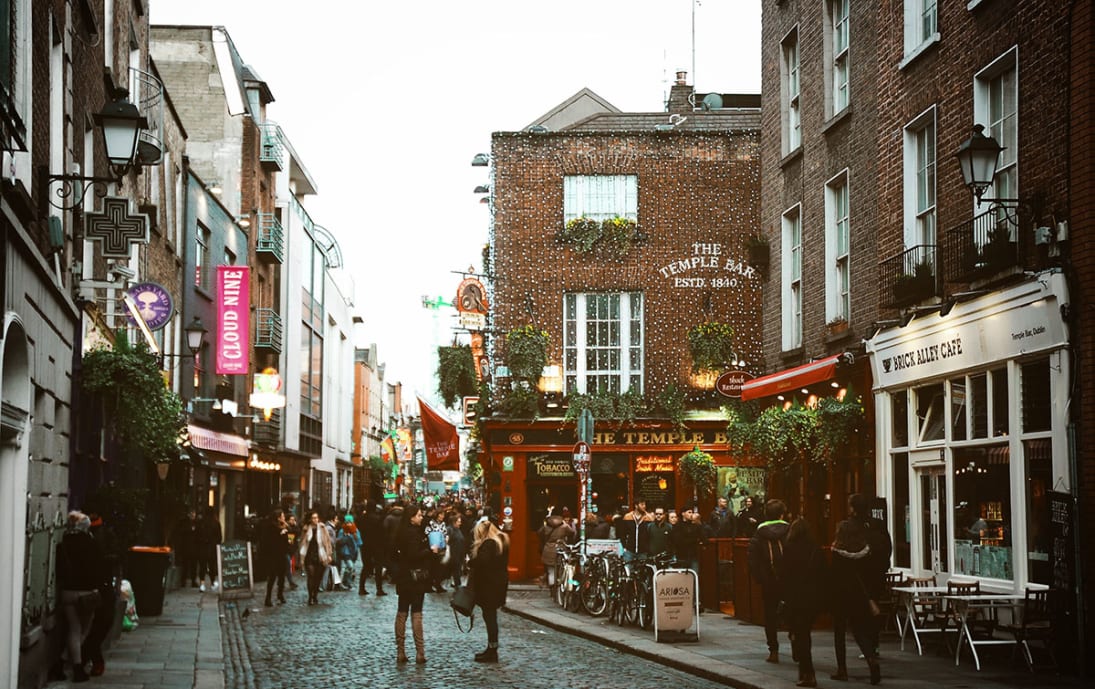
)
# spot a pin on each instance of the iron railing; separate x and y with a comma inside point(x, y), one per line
point(271, 239)
point(268, 330)
point(272, 154)
point(909, 277)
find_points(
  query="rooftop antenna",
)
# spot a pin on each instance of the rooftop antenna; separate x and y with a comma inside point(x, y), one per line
point(694, 3)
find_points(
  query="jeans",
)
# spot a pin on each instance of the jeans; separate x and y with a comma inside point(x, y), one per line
point(490, 619)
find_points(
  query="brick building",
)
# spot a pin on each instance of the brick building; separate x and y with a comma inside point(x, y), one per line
point(617, 316)
point(967, 313)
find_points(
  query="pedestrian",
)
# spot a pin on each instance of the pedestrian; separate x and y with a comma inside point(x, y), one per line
point(764, 553)
point(273, 546)
point(184, 542)
point(554, 533)
point(437, 531)
point(413, 558)
point(457, 546)
point(347, 547)
point(632, 530)
point(658, 540)
point(721, 522)
point(489, 579)
point(208, 538)
point(103, 621)
point(861, 554)
point(292, 562)
point(316, 552)
point(802, 579)
point(596, 527)
point(687, 537)
point(80, 570)
point(374, 549)
point(750, 517)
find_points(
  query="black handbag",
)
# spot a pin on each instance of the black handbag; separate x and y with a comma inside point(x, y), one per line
point(419, 575)
point(463, 602)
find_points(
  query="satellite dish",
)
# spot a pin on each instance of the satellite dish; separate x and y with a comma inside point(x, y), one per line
point(712, 101)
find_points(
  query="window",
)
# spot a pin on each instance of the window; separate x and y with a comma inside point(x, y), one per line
point(902, 534)
point(930, 412)
point(603, 342)
point(995, 105)
point(792, 279)
point(202, 268)
point(600, 197)
point(919, 183)
point(789, 88)
point(838, 295)
point(836, 54)
point(920, 23)
point(982, 512)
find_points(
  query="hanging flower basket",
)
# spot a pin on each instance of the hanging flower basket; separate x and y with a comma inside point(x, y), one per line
point(699, 471)
point(711, 345)
point(526, 352)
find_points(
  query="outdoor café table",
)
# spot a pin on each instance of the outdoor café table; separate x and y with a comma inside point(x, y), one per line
point(988, 605)
point(912, 596)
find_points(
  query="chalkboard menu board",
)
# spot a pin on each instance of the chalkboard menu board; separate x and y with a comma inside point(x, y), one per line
point(234, 566)
point(1062, 551)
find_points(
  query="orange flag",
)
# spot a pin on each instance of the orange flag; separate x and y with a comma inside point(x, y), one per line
point(442, 442)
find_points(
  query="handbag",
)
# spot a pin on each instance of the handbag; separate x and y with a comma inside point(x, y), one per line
point(446, 556)
point(419, 575)
point(463, 602)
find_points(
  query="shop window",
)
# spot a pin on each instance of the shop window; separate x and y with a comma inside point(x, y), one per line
point(899, 404)
point(958, 409)
point(929, 412)
point(902, 534)
point(1000, 416)
point(979, 408)
point(982, 512)
point(1035, 403)
point(1039, 461)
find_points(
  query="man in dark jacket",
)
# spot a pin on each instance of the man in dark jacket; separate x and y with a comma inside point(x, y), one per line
point(374, 549)
point(273, 547)
point(764, 554)
point(721, 521)
point(390, 526)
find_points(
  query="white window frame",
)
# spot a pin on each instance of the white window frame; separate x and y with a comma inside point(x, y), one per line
point(996, 106)
point(630, 349)
point(791, 277)
point(838, 248)
point(837, 56)
point(920, 179)
point(921, 25)
point(600, 197)
point(790, 92)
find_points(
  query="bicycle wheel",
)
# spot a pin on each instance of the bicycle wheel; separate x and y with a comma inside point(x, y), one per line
point(571, 600)
point(646, 605)
point(594, 596)
point(632, 592)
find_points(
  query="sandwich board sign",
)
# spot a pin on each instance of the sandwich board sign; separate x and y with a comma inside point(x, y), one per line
point(676, 605)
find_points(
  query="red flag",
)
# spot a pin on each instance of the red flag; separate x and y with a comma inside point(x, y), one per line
point(442, 442)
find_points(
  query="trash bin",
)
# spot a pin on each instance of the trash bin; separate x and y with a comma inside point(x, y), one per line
point(146, 569)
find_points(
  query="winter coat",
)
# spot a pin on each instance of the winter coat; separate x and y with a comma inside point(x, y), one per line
point(273, 544)
point(490, 575)
point(803, 579)
point(686, 538)
point(80, 562)
point(658, 539)
point(722, 523)
point(765, 551)
point(554, 533)
point(374, 543)
point(326, 547)
point(632, 532)
point(749, 520)
point(458, 549)
point(597, 528)
point(412, 551)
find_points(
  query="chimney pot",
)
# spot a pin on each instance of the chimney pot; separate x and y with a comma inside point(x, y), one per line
point(682, 77)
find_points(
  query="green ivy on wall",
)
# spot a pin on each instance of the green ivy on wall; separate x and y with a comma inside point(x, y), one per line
point(455, 373)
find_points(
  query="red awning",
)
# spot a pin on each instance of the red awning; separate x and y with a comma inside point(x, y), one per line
point(792, 378)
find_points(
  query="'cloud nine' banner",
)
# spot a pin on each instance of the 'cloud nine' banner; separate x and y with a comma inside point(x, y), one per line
point(233, 320)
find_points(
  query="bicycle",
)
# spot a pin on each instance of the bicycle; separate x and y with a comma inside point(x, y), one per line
point(594, 585)
point(622, 592)
point(567, 572)
point(644, 568)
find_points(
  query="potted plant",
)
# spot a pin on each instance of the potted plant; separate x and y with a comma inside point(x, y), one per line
point(455, 373)
point(999, 252)
point(699, 471)
point(612, 236)
point(838, 325)
point(581, 233)
point(526, 352)
point(914, 286)
point(711, 345)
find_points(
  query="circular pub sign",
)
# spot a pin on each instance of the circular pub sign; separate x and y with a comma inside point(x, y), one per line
point(729, 383)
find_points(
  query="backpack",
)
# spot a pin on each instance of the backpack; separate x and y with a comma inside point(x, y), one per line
point(347, 547)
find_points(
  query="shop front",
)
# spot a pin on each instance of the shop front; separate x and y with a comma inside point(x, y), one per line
point(529, 469)
point(971, 413)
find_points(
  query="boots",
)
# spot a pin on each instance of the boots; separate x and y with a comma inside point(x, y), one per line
point(401, 637)
point(807, 679)
point(876, 670)
point(488, 655)
point(841, 674)
point(419, 638)
point(773, 657)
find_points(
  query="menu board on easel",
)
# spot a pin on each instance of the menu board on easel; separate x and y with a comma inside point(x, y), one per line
point(234, 568)
point(1062, 554)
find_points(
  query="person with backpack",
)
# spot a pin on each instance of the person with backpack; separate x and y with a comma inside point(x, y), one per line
point(764, 555)
point(348, 544)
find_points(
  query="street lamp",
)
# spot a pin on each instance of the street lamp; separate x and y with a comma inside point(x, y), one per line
point(978, 157)
point(121, 124)
point(195, 336)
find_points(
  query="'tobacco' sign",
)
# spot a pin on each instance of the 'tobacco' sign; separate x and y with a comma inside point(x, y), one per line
point(729, 383)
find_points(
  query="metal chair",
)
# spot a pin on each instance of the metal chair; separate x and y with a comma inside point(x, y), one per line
point(888, 605)
point(1036, 626)
point(928, 613)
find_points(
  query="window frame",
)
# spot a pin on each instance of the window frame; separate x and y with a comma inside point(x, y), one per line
point(921, 221)
point(838, 247)
point(837, 56)
point(1002, 126)
point(790, 92)
point(576, 342)
point(791, 277)
point(921, 25)
point(585, 195)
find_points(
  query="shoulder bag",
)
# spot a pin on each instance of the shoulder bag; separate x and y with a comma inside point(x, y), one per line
point(463, 602)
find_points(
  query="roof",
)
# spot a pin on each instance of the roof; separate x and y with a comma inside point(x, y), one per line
point(574, 109)
point(698, 121)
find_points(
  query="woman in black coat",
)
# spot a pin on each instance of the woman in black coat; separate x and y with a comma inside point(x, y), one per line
point(413, 558)
point(802, 577)
point(489, 579)
point(80, 569)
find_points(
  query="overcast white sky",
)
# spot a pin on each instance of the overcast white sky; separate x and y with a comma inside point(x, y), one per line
point(387, 102)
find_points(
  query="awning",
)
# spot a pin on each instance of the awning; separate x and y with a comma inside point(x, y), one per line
point(207, 439)
point(793, 378)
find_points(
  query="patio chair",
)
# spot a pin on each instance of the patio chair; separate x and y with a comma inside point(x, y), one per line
point(980, 626)
point(888, 605)
point(928, 612)
point(1035, 626)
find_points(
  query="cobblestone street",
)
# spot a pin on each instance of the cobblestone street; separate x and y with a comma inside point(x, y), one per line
point(347, 641)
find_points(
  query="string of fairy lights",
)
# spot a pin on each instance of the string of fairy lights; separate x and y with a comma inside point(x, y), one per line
point(699, 199)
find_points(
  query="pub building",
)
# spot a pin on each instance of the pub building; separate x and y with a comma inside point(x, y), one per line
point(973, 444)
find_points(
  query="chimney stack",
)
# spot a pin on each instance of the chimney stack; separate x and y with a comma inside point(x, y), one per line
point(680, 95)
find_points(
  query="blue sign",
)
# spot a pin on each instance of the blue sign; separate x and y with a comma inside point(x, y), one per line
point(153, 302)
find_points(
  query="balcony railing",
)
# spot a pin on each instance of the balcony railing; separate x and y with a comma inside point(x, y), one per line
point(146, 91)
point(271, 239)
point(909, 277)
point(268, 330)
point(272, 155)
point(267, 433)
point(988, 249)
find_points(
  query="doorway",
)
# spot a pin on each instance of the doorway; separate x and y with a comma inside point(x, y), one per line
point(934, 508)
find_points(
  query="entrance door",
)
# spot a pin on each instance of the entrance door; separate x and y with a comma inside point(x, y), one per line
point(934, 507)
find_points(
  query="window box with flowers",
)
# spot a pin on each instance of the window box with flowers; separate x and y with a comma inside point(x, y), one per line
point(711, 345)
point(611, 237)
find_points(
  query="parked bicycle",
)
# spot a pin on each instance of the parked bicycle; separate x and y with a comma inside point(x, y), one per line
point(594, 584)
point(564, 588)
point(643, 569)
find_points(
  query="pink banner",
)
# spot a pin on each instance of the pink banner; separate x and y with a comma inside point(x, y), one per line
point(233, 320)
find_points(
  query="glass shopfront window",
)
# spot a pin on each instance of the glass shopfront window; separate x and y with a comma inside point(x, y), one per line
point(902, 535)
point(982, 512)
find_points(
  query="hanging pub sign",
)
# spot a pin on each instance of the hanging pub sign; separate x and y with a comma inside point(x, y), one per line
point(471, 304)
point(153, 302)
point(730, 382)
point(233, 320)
